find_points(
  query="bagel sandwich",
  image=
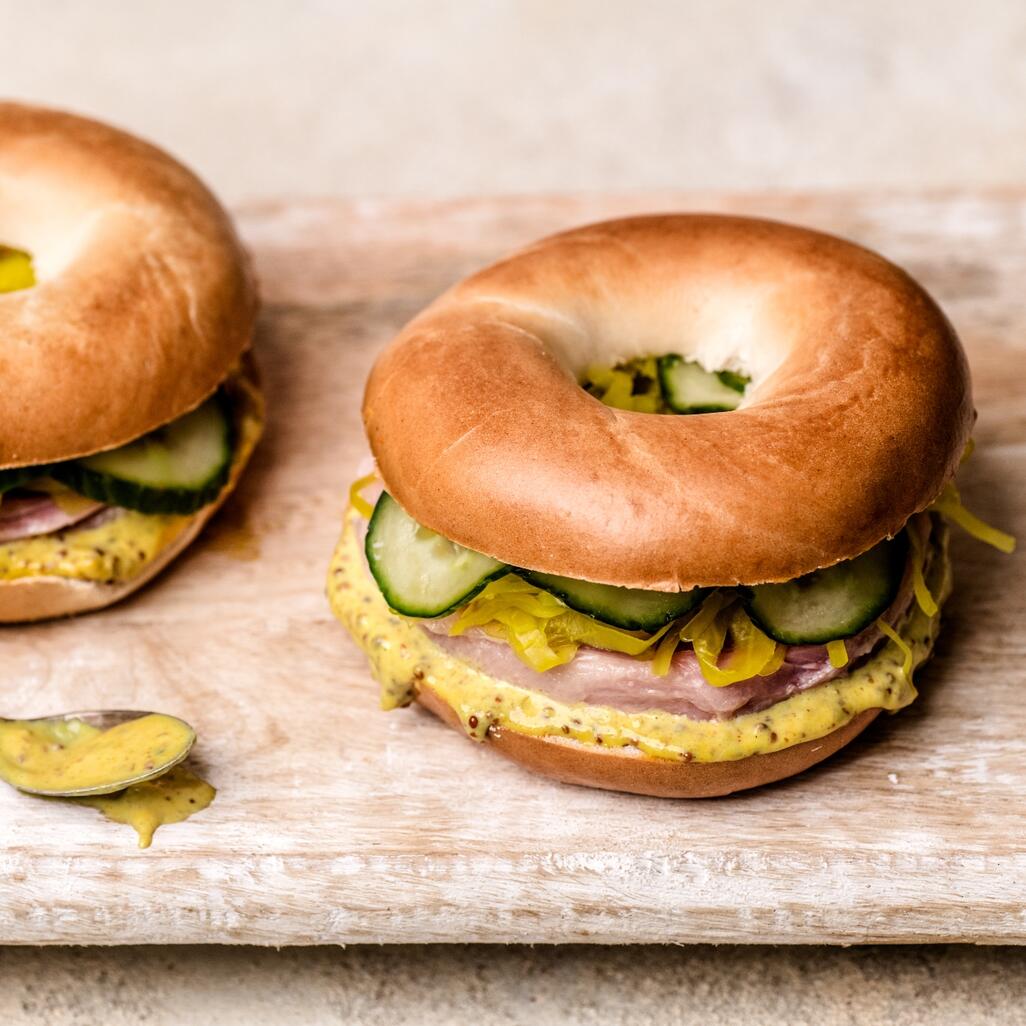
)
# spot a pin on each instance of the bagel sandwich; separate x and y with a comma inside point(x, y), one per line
point(660, 505)
point(131, 402)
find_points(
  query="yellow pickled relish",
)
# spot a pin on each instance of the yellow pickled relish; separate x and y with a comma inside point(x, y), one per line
point(949, 505)
point(16, 271)
point(356, 499)
point(542, 630)
point(754, 654)
point(905, 648)
point(628, 386)
point(837, 653)
point(924, 597)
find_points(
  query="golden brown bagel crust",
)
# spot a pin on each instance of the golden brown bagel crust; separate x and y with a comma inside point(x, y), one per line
point(627, 769)
point(144, 298)
point(859, 410)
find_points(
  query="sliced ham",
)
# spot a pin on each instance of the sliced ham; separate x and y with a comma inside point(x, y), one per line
point(598, 677)
point(27, 514)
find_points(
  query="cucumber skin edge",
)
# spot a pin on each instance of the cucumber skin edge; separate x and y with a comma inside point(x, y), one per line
point(663, 365)
point(141, 498)
point(650, 626)
point(146, 498)
point(386, 592)
point(900, 541)
point(14, 477)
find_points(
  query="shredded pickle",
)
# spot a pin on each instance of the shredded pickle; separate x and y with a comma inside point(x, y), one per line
point(949, 505)
point(924, 597)
point(837, 653)
point(628, 386)
point(898, 640)
point(754, 654)
point(775, 661)
point(543, 631)
point(702, 624)
point(356, 500)
point(664, 652)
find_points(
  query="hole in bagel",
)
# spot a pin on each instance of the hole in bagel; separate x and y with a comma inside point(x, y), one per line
point(666, 384)
point(16, 269)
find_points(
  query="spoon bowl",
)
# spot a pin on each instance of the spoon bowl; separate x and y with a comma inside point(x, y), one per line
point(104, 720)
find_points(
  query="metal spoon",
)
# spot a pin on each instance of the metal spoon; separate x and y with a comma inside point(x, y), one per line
point(104, 719)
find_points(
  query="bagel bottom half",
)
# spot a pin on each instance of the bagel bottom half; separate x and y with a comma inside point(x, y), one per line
point(45, 596)
point(659, 754)
point(628, 769)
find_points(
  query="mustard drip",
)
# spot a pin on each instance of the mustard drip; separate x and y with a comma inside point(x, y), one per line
point(174, 797)
point(70, 755)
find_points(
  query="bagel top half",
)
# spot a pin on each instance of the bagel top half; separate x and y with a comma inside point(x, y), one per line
point(857, 415)
point(144, 299)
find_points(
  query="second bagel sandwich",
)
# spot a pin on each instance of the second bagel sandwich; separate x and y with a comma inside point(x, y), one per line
point(660, 503)
point(131, 403)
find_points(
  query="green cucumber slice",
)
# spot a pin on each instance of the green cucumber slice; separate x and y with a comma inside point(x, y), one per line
point(690, 388)
point(15, 477)
point(419, 572)
point(633, 609)
point(179, 468)
point(833, 603)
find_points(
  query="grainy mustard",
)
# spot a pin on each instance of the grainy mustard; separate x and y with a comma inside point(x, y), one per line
point(70, 755)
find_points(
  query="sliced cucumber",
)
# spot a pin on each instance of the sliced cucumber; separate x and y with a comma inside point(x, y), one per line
point(690, 388)
point(833, 603)
point(15, 477)
point(419, 572)
point(178, 468)
point(633, 609)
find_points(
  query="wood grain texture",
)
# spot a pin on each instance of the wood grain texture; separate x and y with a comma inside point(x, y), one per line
point(338, 823)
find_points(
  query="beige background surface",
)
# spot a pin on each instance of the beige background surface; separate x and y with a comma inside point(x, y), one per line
point(441, 98)
point(446, 98)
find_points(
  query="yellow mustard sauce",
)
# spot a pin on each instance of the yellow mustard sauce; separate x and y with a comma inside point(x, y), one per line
point(115, 551)
point(70, 755)
point(403, 658)
point(170, 798)
point(16, 271)
point(123, 546)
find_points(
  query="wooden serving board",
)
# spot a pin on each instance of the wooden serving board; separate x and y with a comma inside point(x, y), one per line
point(338, 823)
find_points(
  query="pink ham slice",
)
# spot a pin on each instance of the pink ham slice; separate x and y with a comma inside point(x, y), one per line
point(26, 514)
point(612, 679)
